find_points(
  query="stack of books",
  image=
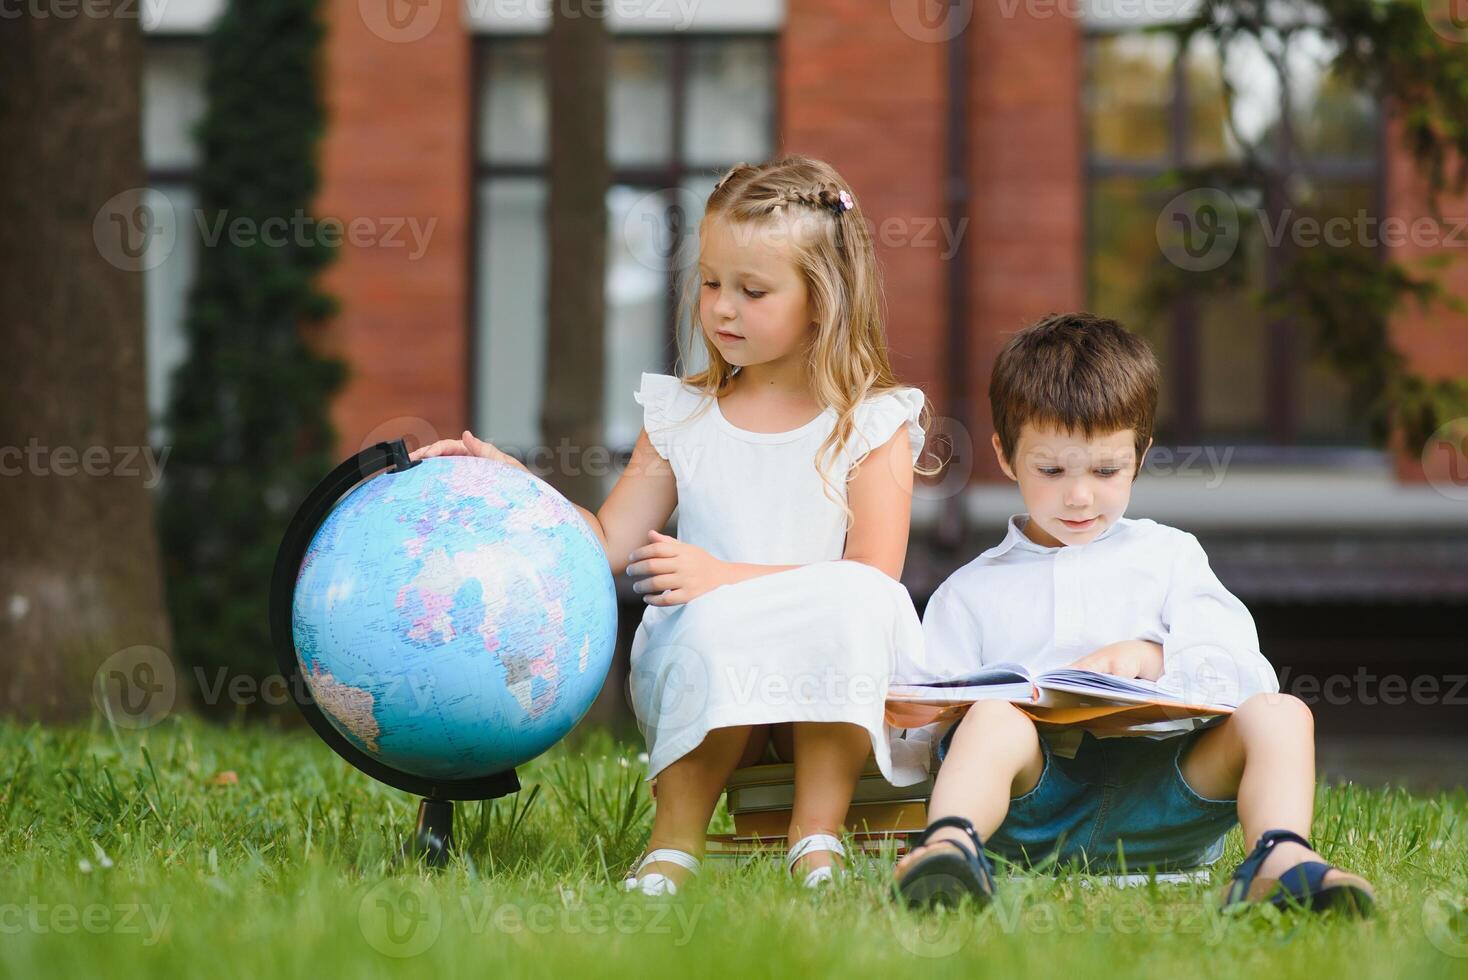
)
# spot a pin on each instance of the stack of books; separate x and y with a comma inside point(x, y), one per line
point(731, 847)
point(882, 817)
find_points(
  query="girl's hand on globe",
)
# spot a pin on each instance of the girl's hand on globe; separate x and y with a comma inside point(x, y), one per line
point(467, 445)
point(674, 572)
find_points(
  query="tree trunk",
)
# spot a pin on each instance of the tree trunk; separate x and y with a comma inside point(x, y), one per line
point(81, 599)
point(571, 413)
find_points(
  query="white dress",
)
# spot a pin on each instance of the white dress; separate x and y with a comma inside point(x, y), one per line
point(816, 643)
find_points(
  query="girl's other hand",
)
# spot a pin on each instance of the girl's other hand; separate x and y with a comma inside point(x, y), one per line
point(673, 571)
point(466, 445)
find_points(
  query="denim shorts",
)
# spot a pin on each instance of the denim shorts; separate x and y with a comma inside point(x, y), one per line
point(1121, 803)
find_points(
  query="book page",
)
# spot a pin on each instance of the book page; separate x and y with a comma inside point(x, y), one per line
point(1110, 689)
point(1003, 682)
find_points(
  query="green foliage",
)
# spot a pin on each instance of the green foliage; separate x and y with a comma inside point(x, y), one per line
point(280, 874)
point(1344, 299)
point(248, 421)
point(1396, 50)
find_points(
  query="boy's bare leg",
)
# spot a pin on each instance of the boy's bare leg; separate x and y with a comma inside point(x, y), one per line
point(688, 791)
point(828, 760)
point(995, 756)
point(1264, 753)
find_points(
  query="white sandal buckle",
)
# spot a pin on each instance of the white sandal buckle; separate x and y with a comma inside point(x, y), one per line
point(816, 877)
point(656, 883)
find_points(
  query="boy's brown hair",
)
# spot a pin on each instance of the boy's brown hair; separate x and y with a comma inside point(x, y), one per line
point(1075, 372)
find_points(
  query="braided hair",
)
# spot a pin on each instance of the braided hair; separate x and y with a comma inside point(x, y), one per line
point(825, 196)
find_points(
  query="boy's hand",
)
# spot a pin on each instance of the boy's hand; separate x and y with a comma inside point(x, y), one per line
point(675, 572)
point(467, 445)
point(1129, 658)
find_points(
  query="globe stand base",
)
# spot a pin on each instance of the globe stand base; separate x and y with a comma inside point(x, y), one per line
point(433, 838)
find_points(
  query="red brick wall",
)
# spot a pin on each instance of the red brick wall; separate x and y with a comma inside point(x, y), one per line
point(1028, 159)
point(1435, 343)
point(858, 92)
point(861, 90)
point(397, 148)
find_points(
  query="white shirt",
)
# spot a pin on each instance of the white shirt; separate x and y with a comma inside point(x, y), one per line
point(1138, 580)
point(758, 497)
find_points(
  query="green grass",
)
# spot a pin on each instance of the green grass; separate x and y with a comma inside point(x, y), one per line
point(120, 857)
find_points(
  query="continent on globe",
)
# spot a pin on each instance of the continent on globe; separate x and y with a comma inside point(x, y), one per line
point(348, 705)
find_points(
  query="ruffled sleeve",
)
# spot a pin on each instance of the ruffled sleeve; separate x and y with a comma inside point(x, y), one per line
point(878, 419)
point(661, 397)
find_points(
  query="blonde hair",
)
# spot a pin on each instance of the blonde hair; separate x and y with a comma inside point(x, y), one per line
point(847, 360)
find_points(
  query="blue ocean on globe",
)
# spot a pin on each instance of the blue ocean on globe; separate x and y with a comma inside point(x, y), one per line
point(455, 619)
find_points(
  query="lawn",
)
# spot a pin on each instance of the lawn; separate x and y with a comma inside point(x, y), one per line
point(191, 849)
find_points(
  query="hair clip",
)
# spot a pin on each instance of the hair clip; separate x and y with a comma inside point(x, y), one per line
point(846, 202)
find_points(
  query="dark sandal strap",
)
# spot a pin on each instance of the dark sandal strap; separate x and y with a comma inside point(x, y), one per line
point(1299, 885)
point(959, 823)
point(1248, 869)
point(976, 857)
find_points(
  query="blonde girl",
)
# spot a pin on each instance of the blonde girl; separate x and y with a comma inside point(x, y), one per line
point(775, 617)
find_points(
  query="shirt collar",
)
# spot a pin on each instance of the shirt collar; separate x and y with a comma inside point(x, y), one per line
point(1016, 537)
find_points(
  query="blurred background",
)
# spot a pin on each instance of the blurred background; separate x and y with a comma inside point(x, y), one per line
point(250, 239)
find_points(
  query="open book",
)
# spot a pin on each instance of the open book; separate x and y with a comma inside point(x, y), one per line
point(1063, 696)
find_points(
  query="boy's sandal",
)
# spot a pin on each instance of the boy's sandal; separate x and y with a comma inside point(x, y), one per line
point(815, 877)
point(655, 883)
point(945, 876)
point(1312, 885)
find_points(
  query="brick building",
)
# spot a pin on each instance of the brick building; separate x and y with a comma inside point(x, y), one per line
point(1003, 153)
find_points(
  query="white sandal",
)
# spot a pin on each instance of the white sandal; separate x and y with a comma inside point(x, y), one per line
point(816, 877)
point(656, 883)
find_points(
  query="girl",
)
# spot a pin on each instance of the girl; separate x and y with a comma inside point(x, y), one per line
point(775, 617)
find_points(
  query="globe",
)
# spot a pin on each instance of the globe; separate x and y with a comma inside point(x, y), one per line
point(454, 619)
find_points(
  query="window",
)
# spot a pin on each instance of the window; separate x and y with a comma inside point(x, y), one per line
point(1231, 373)
point(173, 102)
point(682, 109)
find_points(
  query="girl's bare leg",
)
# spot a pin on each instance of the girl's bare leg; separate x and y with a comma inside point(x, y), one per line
point(688, 791)
point(828, 759)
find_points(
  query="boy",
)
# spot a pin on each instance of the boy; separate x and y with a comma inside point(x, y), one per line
point(1074, 581)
